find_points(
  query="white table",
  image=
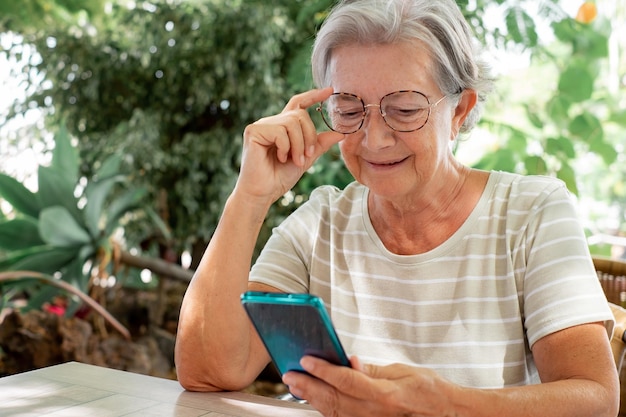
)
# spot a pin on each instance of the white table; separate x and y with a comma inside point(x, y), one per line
point(76, 389)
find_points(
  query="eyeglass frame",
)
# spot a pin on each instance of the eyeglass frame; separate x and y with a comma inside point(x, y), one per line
point(430, 106)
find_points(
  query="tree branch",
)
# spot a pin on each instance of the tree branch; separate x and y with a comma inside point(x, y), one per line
point(158, 266)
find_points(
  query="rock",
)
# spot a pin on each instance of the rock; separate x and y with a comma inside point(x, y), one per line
point(37, 339)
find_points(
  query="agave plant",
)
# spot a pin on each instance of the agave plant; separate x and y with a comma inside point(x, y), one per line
point(63, 229)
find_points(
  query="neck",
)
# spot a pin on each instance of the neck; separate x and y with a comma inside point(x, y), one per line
point(422, 222)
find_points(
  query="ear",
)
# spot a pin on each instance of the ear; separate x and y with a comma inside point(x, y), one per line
point(463, 108)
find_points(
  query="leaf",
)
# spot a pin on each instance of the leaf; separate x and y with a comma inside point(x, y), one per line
point(567, 175)
point(564, 30)
point(73, 273)
point(500, 160)
point(65, 159)
point(127, 202)
point(561, 146)
point(587, 127)
point(591, 44)
point(58, 227)
point(533, 117)
point(605, 150)
point(577, 83)
point(619, 117)
point(159, 223)
point(96, 193)
point(558, 109)
point(20, 233)
point(535, 165)
point(517, 142)
point(56, 190)
point(44, 258)
point(521, 27)
point(20, 197)
point(109, 168)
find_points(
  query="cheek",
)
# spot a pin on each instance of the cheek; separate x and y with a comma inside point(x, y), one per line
point(347, 147)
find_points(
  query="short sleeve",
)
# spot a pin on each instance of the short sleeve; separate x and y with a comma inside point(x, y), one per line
point(285, 259)
point(561, 287)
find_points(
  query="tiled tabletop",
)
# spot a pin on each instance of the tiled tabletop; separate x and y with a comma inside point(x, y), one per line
point(76, 389)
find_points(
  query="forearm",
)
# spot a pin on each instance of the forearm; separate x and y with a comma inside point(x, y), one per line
point(578, 374)
point(215, 347)
point(567, 398)
point(577, 381)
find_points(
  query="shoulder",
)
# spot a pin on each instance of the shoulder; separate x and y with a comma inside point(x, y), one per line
point(526, 183)
point(326, 202)
point(333, 194)
point(527, 189)
point(333, 198)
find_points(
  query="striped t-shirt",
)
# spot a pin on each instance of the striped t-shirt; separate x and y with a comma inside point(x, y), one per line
point(517, 270)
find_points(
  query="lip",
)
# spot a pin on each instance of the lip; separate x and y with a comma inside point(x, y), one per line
point(388, 164)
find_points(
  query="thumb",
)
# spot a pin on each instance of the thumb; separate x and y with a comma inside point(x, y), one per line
point(356, 364)
point(326, 140)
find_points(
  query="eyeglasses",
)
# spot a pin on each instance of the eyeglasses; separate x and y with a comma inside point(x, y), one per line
point(402, 111)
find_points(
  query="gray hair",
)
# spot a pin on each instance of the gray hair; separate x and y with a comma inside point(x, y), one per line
point(438, 25)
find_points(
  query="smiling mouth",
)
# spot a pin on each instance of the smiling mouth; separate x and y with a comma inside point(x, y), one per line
point(392, 163)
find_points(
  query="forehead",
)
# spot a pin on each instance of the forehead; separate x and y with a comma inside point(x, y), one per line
point(375, 70)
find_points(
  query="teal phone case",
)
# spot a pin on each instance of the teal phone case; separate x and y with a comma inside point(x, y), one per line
point(292, 326)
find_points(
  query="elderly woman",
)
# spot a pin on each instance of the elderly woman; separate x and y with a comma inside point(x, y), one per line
point(460, 292)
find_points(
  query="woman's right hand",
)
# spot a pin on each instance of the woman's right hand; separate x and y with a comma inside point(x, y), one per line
point(278, 149)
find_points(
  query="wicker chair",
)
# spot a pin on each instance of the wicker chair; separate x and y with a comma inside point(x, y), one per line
point(612, 276)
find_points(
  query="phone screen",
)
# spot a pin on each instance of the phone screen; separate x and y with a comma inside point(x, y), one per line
point(292, 326)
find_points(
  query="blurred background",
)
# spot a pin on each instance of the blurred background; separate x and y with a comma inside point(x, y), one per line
point(120, 137)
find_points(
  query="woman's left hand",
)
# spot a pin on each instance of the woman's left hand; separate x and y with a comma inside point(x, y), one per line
point(371, 390)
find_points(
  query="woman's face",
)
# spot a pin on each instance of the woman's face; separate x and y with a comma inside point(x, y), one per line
point(393, 164)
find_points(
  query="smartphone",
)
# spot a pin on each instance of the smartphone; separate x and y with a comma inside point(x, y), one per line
point(292, 326)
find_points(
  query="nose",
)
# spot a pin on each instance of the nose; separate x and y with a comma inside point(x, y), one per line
point(376, 133)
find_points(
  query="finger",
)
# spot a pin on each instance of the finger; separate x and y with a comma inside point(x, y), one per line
point(356, 364)
point(283, 146)
point(324, 141)
point(390, 372)
point(284, 132)
point(308, 98)
point(330, 401)
point(314, 145)
point(297, 132)
point(344, 379)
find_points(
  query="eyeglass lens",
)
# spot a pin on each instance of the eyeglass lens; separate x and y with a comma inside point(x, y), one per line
point(403, 111)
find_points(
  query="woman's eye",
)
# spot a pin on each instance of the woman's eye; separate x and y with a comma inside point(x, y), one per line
point(404, 112)
point(349, 113)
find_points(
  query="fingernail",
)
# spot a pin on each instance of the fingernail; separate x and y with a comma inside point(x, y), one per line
point(310, 150)
point(288, 380)
point(308, 363)
point(302, 160)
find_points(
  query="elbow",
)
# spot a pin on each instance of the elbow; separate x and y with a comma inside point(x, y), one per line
point(189, 383)
point(208, 382)
point(614, 395)
point(609, 398)
point(193, 375)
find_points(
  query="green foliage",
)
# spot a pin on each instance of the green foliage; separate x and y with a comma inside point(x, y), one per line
point(171, 85)
point(520, 28)
point(27, 15)
point(568, 122)
point(20, 197)
point(52, 232)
